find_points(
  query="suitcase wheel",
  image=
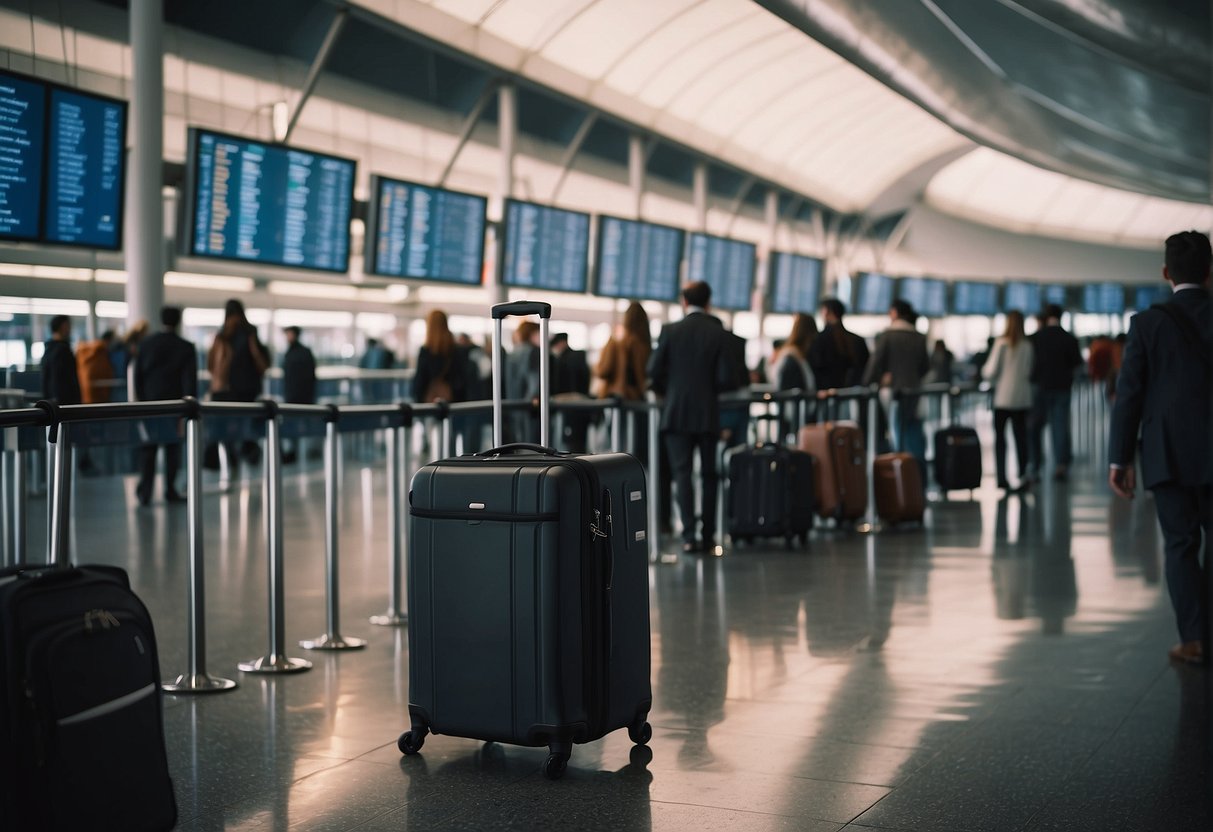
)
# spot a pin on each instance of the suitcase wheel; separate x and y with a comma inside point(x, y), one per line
point(554, 766)
point(640, 732)
point(410, 742)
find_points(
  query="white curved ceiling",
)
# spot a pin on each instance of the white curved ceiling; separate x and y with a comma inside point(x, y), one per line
point(996, 189)
point(725, 77)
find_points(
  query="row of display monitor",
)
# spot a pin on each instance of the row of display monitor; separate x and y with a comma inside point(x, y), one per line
point(873, 293)
point(62, 177)
point(62, 164)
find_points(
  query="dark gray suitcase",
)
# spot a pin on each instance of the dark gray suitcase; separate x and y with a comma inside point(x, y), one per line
point(957, 459)
point(770, 494)
point(528, 595)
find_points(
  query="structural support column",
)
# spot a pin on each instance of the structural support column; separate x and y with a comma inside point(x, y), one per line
point(699, 194)
point(507, 139)
point(144, 219)
point(766, 256)
point(636, 166)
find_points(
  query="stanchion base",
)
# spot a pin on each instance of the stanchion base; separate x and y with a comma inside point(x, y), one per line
point(869, 528)
point(198, 683)
point(391, 619)
point(275, 664)
point(668, 558)
point(337, 642)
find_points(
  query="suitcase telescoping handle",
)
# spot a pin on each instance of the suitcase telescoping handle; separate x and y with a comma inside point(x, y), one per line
point(501, 311)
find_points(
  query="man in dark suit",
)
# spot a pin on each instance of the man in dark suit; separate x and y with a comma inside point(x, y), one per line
point(571, 379)
point(298, 381)
point(689, 369)
point(60, 381)
point(166, 367)
point(1164, 390)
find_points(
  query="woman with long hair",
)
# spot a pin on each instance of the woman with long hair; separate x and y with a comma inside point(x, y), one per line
point(441, 365)
point(237, 362)
point(622, 370)
point(790, 368)
point(1009, 369)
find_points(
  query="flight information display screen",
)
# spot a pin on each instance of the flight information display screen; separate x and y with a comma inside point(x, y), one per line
point(1022, 296)
point(927, 295)
point(970, 297)
point(1055, 293)
point(85, 169)
point(1146, 296)
point(22, 155)
point(268, 203)
point(873, 294)
point(1103, 299)
point(62, 164)
point(545, 248)
point(725, 265)
point(425, 233)
point(637, 260)
point(795, 283)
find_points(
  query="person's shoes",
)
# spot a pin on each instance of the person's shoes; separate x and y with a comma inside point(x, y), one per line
point(174, 497)
point(144, 498)
point(709, 546)
point(1061, 474)
point(1188, 652)
point(289, 457)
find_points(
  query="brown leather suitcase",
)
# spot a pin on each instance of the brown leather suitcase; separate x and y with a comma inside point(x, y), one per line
point(842, 480)
point(898, 487)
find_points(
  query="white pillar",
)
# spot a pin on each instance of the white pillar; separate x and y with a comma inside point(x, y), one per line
point(699, 194)
point(636, 167)
point(507, 139)
point(144, 219)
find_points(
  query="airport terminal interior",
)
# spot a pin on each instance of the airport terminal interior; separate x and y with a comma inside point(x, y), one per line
point(346, 169)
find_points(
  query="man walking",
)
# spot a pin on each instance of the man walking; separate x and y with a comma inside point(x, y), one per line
point(1056, 355)
point(1163, 389)
point(60, 381)
point(166, 367)
point(298, 379)
point(690, 367)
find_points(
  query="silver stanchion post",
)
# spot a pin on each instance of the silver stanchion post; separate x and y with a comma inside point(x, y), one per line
point(332, 638)
point(617, 428)
point(7, 462)
point(870, 524)
point(276, 661)
point(61, 491)
point(195, 679)
point(397, 454)
point(19, 508)
point(654, 473)
point(444, 427)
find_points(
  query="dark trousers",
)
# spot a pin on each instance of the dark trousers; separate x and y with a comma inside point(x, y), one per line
point(1051, 409)
point(1019, 427)
point(147, 469)
point(1184, 512)
point(682, 447)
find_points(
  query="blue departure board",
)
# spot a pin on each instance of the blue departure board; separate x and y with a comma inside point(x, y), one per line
point(1146, 296)
point(1103, 299)
point(425, 233)
point(267, 203)
point(971, 297)
point(85, 169)
point(927, 295)
point(22, 155)
point(725, 265)
point(873, 294)
point(637, 260)
point(1022, 296)
point(545, 248)
point(795, 283)
point(1057, 293)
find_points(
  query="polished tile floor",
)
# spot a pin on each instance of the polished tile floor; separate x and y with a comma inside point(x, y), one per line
point(1002, 669)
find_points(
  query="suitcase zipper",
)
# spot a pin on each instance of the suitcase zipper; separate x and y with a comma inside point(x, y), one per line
point(476, 514)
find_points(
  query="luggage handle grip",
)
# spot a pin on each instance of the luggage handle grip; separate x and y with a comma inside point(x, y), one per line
point(521, 308)
point(521, 447)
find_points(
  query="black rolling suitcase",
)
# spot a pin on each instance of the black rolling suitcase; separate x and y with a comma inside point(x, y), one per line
point(81, 728)
point(770, 494)
point(957, 459)
point(528, 592)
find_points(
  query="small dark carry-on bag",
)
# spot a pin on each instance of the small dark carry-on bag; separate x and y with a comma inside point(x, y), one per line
point(528, 591)
point(770, 494)
point(81, 727)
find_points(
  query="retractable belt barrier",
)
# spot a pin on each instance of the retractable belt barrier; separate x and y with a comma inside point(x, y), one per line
point(188, 420)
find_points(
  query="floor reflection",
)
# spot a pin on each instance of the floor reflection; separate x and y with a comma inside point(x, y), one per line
point(1002, 668)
